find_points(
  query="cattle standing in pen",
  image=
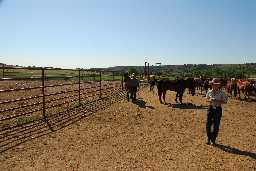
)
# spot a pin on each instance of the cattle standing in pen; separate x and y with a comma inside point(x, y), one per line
point(178, 85)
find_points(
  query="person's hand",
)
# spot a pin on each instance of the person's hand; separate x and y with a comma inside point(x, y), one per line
point(212, 99)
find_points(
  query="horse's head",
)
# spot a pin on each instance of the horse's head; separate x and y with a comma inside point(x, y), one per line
point(126, 77)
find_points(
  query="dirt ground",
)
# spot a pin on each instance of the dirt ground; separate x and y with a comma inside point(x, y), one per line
point(144, 136)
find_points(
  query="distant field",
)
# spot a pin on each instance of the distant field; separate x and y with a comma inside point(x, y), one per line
point(62, 74)
point(57, 74)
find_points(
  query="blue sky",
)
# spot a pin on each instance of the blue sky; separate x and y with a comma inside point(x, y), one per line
point(101, 33)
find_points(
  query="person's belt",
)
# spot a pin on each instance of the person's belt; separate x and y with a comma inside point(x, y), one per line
point(214, 107)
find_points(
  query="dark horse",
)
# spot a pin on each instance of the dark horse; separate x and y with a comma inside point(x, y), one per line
point(152, 83)
point(178, 86)
point(131, 85)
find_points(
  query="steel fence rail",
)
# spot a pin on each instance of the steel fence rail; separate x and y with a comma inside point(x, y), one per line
point(21, 114)
point(38, 100)
point(20, 99)
point(19, 89)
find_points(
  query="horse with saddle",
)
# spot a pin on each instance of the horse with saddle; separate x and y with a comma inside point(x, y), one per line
point(131, 86)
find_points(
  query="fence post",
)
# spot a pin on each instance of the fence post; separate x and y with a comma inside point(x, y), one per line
point(100, 84)
point(79, 87)
point(122, 82)
point(3, 70)
point(145, 69)
point(43, 93)
point(113, 76)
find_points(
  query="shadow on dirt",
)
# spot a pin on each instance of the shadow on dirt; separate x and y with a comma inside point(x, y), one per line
point(236, 151)
point(142, 104)
point(250, 99)
point(14, 136)
point(187, 106)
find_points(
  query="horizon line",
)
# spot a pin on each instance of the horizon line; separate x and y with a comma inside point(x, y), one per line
point(27, 66)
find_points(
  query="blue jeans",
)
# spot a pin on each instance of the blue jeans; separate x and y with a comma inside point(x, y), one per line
point(213, 118)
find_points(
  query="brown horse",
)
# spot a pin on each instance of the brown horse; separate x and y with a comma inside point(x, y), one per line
point(245, 87)
point(178, 86)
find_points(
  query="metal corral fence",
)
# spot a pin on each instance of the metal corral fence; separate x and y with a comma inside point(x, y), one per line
point(30, 95)
point(25, 96)
point(36, 101)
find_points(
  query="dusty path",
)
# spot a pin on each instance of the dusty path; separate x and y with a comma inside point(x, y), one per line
point(146, 136)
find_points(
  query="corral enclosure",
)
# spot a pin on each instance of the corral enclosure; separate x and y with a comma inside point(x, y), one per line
point(29, 96)
point(127, 136)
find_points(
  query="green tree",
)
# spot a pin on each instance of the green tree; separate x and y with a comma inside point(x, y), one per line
point(133, 70)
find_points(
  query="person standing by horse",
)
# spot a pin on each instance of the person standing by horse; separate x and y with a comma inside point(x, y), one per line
point(127, 78)
point(215, 97)
point(233, 87)
point(133, 86)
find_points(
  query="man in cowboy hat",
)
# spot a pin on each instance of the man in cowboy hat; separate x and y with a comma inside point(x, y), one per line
point(215, 97)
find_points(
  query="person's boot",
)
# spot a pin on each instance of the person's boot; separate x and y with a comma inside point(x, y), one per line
point(214, 143)
point(208, 142)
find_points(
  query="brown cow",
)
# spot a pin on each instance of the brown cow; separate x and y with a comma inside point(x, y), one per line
point(243, 86)
point(231, 87)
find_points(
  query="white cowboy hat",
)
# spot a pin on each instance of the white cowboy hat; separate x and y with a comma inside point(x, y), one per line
point(215, 81)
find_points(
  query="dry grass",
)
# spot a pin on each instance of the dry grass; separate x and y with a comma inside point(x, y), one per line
point(144, 136)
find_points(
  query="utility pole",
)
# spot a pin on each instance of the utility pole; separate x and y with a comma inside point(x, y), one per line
point(145, 69)
point(148, 71)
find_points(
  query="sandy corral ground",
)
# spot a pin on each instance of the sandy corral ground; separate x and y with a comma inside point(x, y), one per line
point(144, 136)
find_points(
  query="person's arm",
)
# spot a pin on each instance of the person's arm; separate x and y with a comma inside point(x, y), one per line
point(224, 99)
point(208, 98)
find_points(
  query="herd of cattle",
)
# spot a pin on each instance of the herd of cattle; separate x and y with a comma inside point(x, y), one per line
point(232, 86)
